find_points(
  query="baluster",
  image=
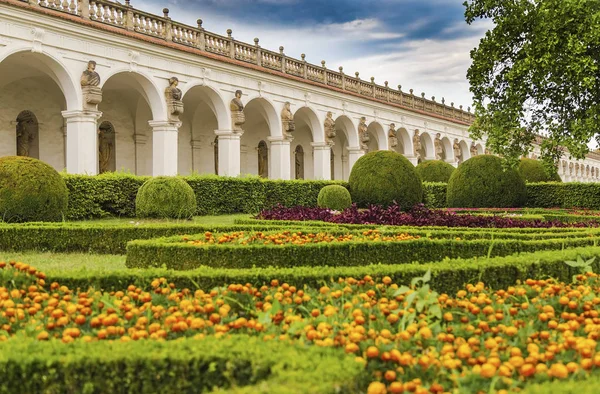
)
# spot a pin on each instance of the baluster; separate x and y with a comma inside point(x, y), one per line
point(142, 24)
point(119, 17)
point(99, 11)
point(73, 7)
point(136, 22)
point(56, 4)
point(93, 10)
point(65, 5)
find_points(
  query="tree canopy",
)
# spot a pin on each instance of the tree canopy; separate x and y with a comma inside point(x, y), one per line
point(536, 72)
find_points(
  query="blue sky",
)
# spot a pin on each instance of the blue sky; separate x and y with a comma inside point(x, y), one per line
point(423, 45)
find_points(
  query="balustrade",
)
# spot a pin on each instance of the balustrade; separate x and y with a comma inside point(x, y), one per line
point(127, 17)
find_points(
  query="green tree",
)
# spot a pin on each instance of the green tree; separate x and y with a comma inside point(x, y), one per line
point(536, 72)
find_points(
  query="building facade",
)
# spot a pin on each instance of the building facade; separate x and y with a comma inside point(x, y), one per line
point(95, 86)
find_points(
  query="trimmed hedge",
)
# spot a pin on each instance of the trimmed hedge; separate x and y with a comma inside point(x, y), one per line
point(334, 197)
point(483, 182)
point(239, 363)
point(385, 177)
point(31, 190)
point(165, 197)
point(534, 171)
point(173, 253)
point(102, 239)
point(434, 171)
point(113, 194)
point(448, 275)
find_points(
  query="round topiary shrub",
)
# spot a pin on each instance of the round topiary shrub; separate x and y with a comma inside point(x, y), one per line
point(383, 177)
point(31, 191)
point(165, 197)
point(334, 197)
point(533, 171)
point(482, 182)
point(434, 171)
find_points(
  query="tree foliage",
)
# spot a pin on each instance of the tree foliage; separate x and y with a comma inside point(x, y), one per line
point(536, 72)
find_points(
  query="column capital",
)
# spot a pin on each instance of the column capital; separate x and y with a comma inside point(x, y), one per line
point(279, 140)
point(355, 149)
point(78, 115)
point(228, 134)
point(164, 125)
point(320, 145)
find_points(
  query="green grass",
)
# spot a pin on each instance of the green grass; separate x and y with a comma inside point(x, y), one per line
point(208, 220)
point(64, 262)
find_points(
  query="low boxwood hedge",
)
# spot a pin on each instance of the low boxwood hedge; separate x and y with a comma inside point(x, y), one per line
point(448, 275)
point(239, 364)
point(174, 253)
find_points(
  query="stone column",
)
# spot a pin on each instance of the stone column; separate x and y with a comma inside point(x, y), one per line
point(345, 168)
point(164, 147)
point(321, 161)
point(229, 152)
point(280, 158)
point(82, 141)
point(413, 159)
point(354, 153)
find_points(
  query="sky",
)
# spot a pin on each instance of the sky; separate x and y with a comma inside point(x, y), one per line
point(420, 44)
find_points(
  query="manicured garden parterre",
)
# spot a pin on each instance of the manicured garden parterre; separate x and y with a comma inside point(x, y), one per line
point(280, 294)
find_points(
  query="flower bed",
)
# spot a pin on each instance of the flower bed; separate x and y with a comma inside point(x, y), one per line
point(418, 216)
point(293, 238)
point(407, 338)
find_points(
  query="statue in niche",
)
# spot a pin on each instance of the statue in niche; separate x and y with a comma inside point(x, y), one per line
point(92, 94)
point(571, 168)
point(238, 118)
point(263, 159)
point(287, 120)
point(417, 147)
point(439, 147)
point(26, 133)
point(576, 169)
point(564, 166)
point(363, 134)
point(173, 96)
point(457, 151)
point(105, 147)
point(392, 137)
point(473, 149)
point(329, 128)
point(299, 161)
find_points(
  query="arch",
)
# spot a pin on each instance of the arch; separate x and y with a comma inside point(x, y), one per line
point(404, 139)
point(27, 133)
point(144, 85)
point(480, 150)
point(448, 151)
point(50, 66)
point(215, 101)
point(306, 115)
point(375, 129)
point(299, 162)
point(263, 159)
point(344, 123)
point(106, 147)
point(427, 148)
point(266, 109)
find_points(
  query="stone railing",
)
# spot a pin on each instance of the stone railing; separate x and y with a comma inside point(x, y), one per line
point(126, 17)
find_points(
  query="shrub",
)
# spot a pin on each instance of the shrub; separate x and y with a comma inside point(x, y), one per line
point(434, 171)
point(165, 197)
point(31, 190)
point(383, 177)
point(534, 171)
point(483, 182)
point(334, 197)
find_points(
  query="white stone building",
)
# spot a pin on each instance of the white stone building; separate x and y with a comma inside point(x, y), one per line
point(46, 45)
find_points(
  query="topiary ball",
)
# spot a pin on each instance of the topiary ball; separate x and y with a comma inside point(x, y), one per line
point(334, 197)
point(31, 191)
point(165, 197)
point(482, 182)
point(434, 171)
point(382, 177)
point(534, 171)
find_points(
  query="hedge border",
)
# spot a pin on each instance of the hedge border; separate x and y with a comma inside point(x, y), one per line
point(448, 275)
point(173, 253)
point(183, 366)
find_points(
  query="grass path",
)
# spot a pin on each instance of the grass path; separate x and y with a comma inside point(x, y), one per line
point(49, 261)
